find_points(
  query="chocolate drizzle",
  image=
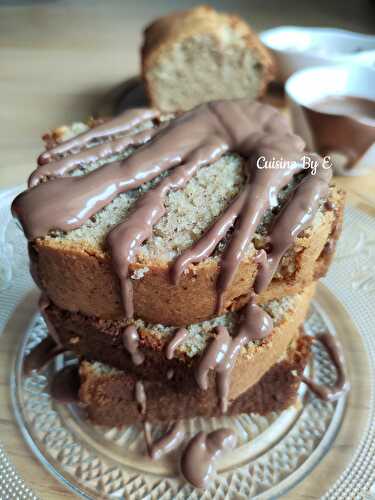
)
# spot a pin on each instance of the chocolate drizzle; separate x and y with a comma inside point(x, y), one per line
point(193, 140)
point(222, 352)
point(168, 442)
point(200, 455)
point(101, 152)
point(130, 340)
point(175, 342)
point(294, 217)
point(324, 392)
point(119, 125)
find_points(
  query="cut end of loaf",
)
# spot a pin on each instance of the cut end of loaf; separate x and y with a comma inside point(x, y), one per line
point(195, 71)
point(201, 55)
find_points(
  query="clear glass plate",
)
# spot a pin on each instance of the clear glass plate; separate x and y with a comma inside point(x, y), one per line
point(273, 453)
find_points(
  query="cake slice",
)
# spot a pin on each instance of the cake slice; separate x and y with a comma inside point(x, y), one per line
point(108, 394)
point(201, 55)
point(103, 340)
point(75, 268)
point(185, 371)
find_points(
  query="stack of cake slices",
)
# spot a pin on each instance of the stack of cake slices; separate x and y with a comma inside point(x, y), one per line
point(175, 268)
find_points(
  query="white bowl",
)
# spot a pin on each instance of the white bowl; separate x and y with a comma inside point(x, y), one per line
point(311, 85)
point(296, 48)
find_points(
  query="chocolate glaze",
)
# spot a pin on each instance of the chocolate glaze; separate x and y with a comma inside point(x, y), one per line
point(123, 123)
point(342, 124)
point(341, 385)
point(294, 217)
point(222, 352)
point(206, 246)
point(191, 141)
point(176, 340)
point(65, 385)
point(41, 355)
point(130, 340)
point(87, 156)
point(200, 455)
point(168, 442)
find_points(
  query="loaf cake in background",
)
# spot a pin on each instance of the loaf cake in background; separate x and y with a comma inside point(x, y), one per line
point(202, 55)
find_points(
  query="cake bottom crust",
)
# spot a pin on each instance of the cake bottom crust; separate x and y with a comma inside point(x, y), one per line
point(109, 397)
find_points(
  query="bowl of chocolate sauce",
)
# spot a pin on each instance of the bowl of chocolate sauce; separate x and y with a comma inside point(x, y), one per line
point(333, 110)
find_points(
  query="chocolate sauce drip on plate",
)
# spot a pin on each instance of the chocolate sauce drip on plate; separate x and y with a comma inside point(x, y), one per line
point(193, 140)
point(147, 436)
point(65, 385)
point(221, 354)
point(168, 442)
point(41, 355)
point(341, 386)
point(200, 455)
point(130, 340)
point(175, 342)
